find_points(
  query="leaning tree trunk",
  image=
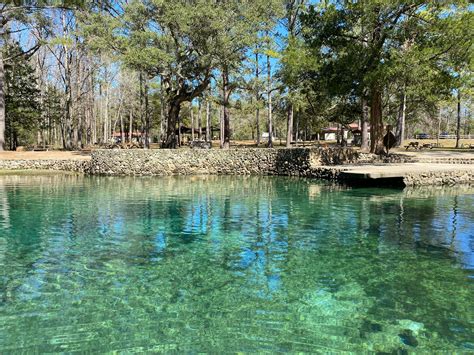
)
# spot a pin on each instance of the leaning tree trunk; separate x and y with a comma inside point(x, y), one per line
point(173, 114)
point(2, 103)
point(458, 125)
point(376, 124)
point(174, 106)
point(226, 118)
point(289, 131)
point(401, 119)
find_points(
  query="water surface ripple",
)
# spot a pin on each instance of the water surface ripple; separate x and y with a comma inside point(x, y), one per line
point(225, 264)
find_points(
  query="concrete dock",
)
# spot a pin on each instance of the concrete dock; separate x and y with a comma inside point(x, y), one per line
point(409, 173)
point(401, 170)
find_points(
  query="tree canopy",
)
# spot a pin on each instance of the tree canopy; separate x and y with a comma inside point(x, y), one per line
point(125, 69)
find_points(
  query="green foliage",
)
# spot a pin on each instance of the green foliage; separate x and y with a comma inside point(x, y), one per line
point(181, 41)
point(415, 47)
point(21, 99)
point(51, 108)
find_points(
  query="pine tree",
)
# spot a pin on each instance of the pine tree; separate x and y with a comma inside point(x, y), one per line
point(21, 99)
point(355, 43)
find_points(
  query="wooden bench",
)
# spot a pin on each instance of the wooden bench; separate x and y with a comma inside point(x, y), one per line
point(41, 149)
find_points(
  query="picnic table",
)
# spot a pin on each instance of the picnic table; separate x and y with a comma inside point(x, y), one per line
point(413, 145)
point(418, 146)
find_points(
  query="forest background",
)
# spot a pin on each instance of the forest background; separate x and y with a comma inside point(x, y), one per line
point(78, 73)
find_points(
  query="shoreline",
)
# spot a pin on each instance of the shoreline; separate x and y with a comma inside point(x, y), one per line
point(344, 165)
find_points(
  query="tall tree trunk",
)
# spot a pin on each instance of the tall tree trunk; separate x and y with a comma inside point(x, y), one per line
point(180, 126)
point(68, 86)
point(90, 108)
point(162, 111)
point(200, 119)
point(208, 121)
point(147, 115)
point(192, 120)
point(67, 118)
point(106, 115)
point(93, 112)
point(376, 123)
point(439, 126)
point(221, 126)
point(226, 114)
point(289, 130)
point(297, 130)
point(12, 140)
point(142, 101)
point(458, 124)
point(173, 114)
point(130, 126)
point(80, 123)
point(257, 100)
point(67, 109)
point(270, 107)
point(162, 121)
point(76, 109)
point(122, 129)
point(365, 126)
point(2, 103)
point(401, 119)
point(40, 86)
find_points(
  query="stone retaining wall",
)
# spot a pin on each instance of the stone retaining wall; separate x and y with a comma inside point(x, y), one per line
point(449, 178)
point(249, 161)
point(324, 163)
point(195, 162)
point(450, 160)
point(80, 166)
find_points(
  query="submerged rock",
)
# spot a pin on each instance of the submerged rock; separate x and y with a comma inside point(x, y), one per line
point(413, 326)
point(408, 338)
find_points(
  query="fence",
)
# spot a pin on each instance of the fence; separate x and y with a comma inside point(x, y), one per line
point(453, 136)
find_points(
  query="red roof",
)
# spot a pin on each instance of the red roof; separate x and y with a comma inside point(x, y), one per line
point(354, 126)
point(126, 134)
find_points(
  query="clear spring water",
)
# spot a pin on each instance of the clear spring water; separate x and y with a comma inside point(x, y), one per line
point(224, 264)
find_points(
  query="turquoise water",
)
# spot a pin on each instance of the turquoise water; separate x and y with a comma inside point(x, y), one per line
point(225, 264)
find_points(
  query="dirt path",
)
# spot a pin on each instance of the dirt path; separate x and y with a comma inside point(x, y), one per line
point(56, 155)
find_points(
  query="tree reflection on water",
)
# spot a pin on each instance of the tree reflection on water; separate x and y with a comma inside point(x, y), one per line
point(232, 263)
